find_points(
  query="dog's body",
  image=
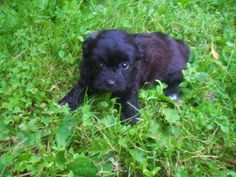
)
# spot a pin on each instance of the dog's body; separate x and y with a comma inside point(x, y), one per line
point(120, 62)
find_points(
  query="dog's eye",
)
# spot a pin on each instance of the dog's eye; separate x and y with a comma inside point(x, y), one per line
point(124, 66)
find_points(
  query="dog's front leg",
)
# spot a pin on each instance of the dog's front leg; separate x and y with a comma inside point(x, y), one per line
point(129, 107)
point(75, 97)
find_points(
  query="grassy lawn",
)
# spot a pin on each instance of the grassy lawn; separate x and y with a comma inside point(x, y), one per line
point(40, 48)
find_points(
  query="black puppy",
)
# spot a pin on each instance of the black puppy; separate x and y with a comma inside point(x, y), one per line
point(119, 62)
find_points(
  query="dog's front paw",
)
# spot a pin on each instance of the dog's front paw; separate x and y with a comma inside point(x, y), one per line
point(174, 97)
point(72, 103)
point(62, 102)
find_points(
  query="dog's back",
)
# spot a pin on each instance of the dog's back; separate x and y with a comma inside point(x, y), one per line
point(162, 56)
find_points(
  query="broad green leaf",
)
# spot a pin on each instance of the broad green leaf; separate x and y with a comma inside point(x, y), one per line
point(64, 132)
point(3, 169)
point(171, 115)
point(87, 116)
point(153, 130)
point(151, 173)
point(181, 173)
point(223, 122)
point(100, 146)
point(138, 155)
point(124, 142)
point(61, 54)
point(60, 160)
point(83, 166)
point(5, 131)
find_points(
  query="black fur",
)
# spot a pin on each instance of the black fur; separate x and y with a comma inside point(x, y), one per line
point(119, 62)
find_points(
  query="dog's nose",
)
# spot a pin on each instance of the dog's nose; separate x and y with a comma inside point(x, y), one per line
point(110, 82)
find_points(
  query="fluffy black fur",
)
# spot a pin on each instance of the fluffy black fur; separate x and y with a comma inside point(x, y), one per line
point(119, 62)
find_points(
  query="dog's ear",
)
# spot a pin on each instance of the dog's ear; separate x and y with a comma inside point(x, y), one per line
point(89, 43)
point(139, 47)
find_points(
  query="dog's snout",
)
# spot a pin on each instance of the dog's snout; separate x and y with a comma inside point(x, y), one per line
point(110, 82)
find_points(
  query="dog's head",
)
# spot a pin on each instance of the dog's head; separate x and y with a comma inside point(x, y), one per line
point(110, 58)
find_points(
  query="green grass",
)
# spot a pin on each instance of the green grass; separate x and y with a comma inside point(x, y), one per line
point(40, 48)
